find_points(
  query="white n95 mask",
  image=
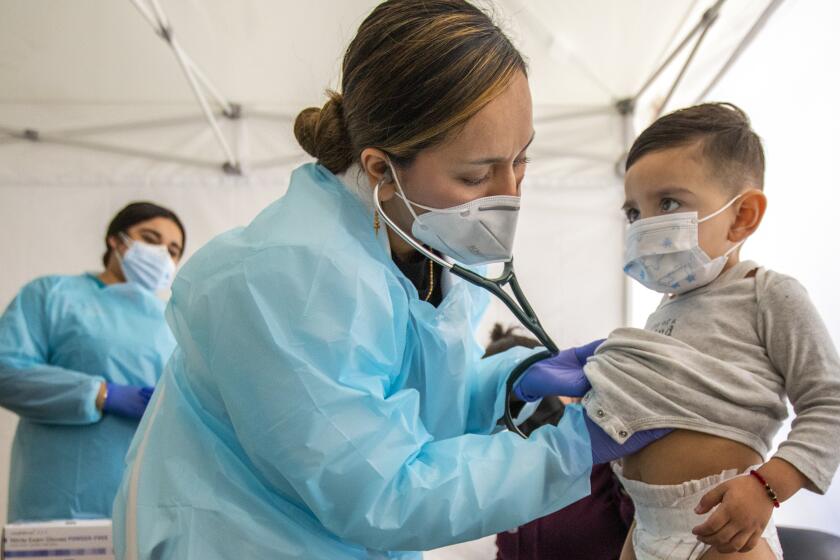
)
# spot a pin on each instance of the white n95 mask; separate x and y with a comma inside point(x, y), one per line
point(663, 253)
point(478, 232)
point(149, 266)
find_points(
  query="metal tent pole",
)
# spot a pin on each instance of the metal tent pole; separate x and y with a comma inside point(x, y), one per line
point(759, 24)
point(30, 135)
point(229, 109)
point(708, 16)
point(708, 24)
point(157, 19)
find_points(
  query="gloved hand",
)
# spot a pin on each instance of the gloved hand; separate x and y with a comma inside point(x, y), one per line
point(560, 375)
point(606, 449)
point(129, 401)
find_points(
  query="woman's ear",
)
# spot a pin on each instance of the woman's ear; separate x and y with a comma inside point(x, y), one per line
point(375, 164)
point(113, 242)
point(750, 211)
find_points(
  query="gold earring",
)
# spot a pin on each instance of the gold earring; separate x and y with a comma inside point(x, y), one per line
point(375, 210)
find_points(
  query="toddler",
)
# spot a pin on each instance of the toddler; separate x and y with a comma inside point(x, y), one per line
point(729, 342)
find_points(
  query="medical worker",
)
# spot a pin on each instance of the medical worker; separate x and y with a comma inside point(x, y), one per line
point(79, 357)
point(327, 398)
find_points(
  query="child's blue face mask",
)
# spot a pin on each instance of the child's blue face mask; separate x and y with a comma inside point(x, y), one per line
point(663, 253)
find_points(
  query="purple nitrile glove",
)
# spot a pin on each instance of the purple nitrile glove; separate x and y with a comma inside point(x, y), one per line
point(606, 449)
point(129, 401)
point(559, 375)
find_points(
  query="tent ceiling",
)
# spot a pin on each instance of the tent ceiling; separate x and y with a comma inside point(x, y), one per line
point(281, 55)
point(286, 53)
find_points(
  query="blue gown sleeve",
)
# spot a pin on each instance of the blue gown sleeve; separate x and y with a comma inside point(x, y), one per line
point(306, 364)
point(488, 380)
point(29, 385)
point(489, 383)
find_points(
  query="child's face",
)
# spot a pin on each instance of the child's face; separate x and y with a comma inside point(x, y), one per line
point(679, 180)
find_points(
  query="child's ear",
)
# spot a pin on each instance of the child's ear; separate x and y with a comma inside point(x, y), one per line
point(750, 211)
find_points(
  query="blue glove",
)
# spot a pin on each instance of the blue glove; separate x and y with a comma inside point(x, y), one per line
point(559, 375)
point(606, 449)
point(129, 401)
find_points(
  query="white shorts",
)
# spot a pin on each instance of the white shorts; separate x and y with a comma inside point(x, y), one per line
point(665, 517)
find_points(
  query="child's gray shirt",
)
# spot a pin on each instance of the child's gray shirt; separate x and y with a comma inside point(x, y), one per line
point(721, 360)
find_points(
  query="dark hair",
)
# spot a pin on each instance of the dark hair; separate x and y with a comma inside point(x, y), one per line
point(729, 143)
point(135, 213)
point(415, 72)
point(502, 339)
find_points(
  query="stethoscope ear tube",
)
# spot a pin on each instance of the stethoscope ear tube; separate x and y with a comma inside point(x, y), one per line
point(517, 372)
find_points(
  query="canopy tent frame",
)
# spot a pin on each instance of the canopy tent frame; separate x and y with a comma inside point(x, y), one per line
point(202, 88)
point(626, 107)
point(198, 81)
point(745, 42)
point(708, 18)
point(205, 91)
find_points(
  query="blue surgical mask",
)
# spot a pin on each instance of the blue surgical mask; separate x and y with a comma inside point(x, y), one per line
point(149, 266)
point(663, 253)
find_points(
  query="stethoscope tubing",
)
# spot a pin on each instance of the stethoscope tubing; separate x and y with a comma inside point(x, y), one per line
point(518, 304)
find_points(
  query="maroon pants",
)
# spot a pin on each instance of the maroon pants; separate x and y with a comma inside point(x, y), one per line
point(593, 528)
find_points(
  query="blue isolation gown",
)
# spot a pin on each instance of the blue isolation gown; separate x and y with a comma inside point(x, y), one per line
point(317, 408)
point(60, 338)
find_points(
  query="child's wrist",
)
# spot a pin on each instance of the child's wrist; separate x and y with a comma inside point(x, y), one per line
point(768, 489)
point(785, 479)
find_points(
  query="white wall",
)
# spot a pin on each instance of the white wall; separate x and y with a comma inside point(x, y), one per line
point(789, 85)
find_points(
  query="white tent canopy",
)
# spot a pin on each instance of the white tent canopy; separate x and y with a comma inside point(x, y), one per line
point(97, 101)
point(590, 66)
point(96, 110)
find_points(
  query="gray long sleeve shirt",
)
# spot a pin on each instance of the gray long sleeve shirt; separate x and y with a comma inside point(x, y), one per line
point(721, 360)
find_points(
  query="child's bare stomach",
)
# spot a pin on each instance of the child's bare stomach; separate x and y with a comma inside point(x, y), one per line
point(685, 455)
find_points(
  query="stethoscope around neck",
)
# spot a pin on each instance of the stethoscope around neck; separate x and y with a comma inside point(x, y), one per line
point(518, 304)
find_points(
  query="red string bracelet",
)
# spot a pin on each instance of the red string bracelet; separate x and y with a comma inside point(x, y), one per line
point(770, 492)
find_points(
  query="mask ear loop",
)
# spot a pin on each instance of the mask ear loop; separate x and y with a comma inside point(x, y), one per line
point(732, 250)
point(400, 192)
point(721, 211)
point(127, 241)
point(407, 238)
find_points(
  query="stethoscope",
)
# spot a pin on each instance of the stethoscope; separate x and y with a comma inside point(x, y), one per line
point(518, 304)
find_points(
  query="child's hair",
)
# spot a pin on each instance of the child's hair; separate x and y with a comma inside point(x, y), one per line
point(729, 143)
point(502, 339)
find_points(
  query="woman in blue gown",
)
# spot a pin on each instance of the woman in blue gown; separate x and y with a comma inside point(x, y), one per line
point(79, 357)
point(327, 398)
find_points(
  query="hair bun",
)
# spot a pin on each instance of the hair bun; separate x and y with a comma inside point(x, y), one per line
point(305, 125)
point(323, 134)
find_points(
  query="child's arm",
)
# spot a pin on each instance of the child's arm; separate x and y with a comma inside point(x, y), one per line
point(799, 346)
point(745, 508)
